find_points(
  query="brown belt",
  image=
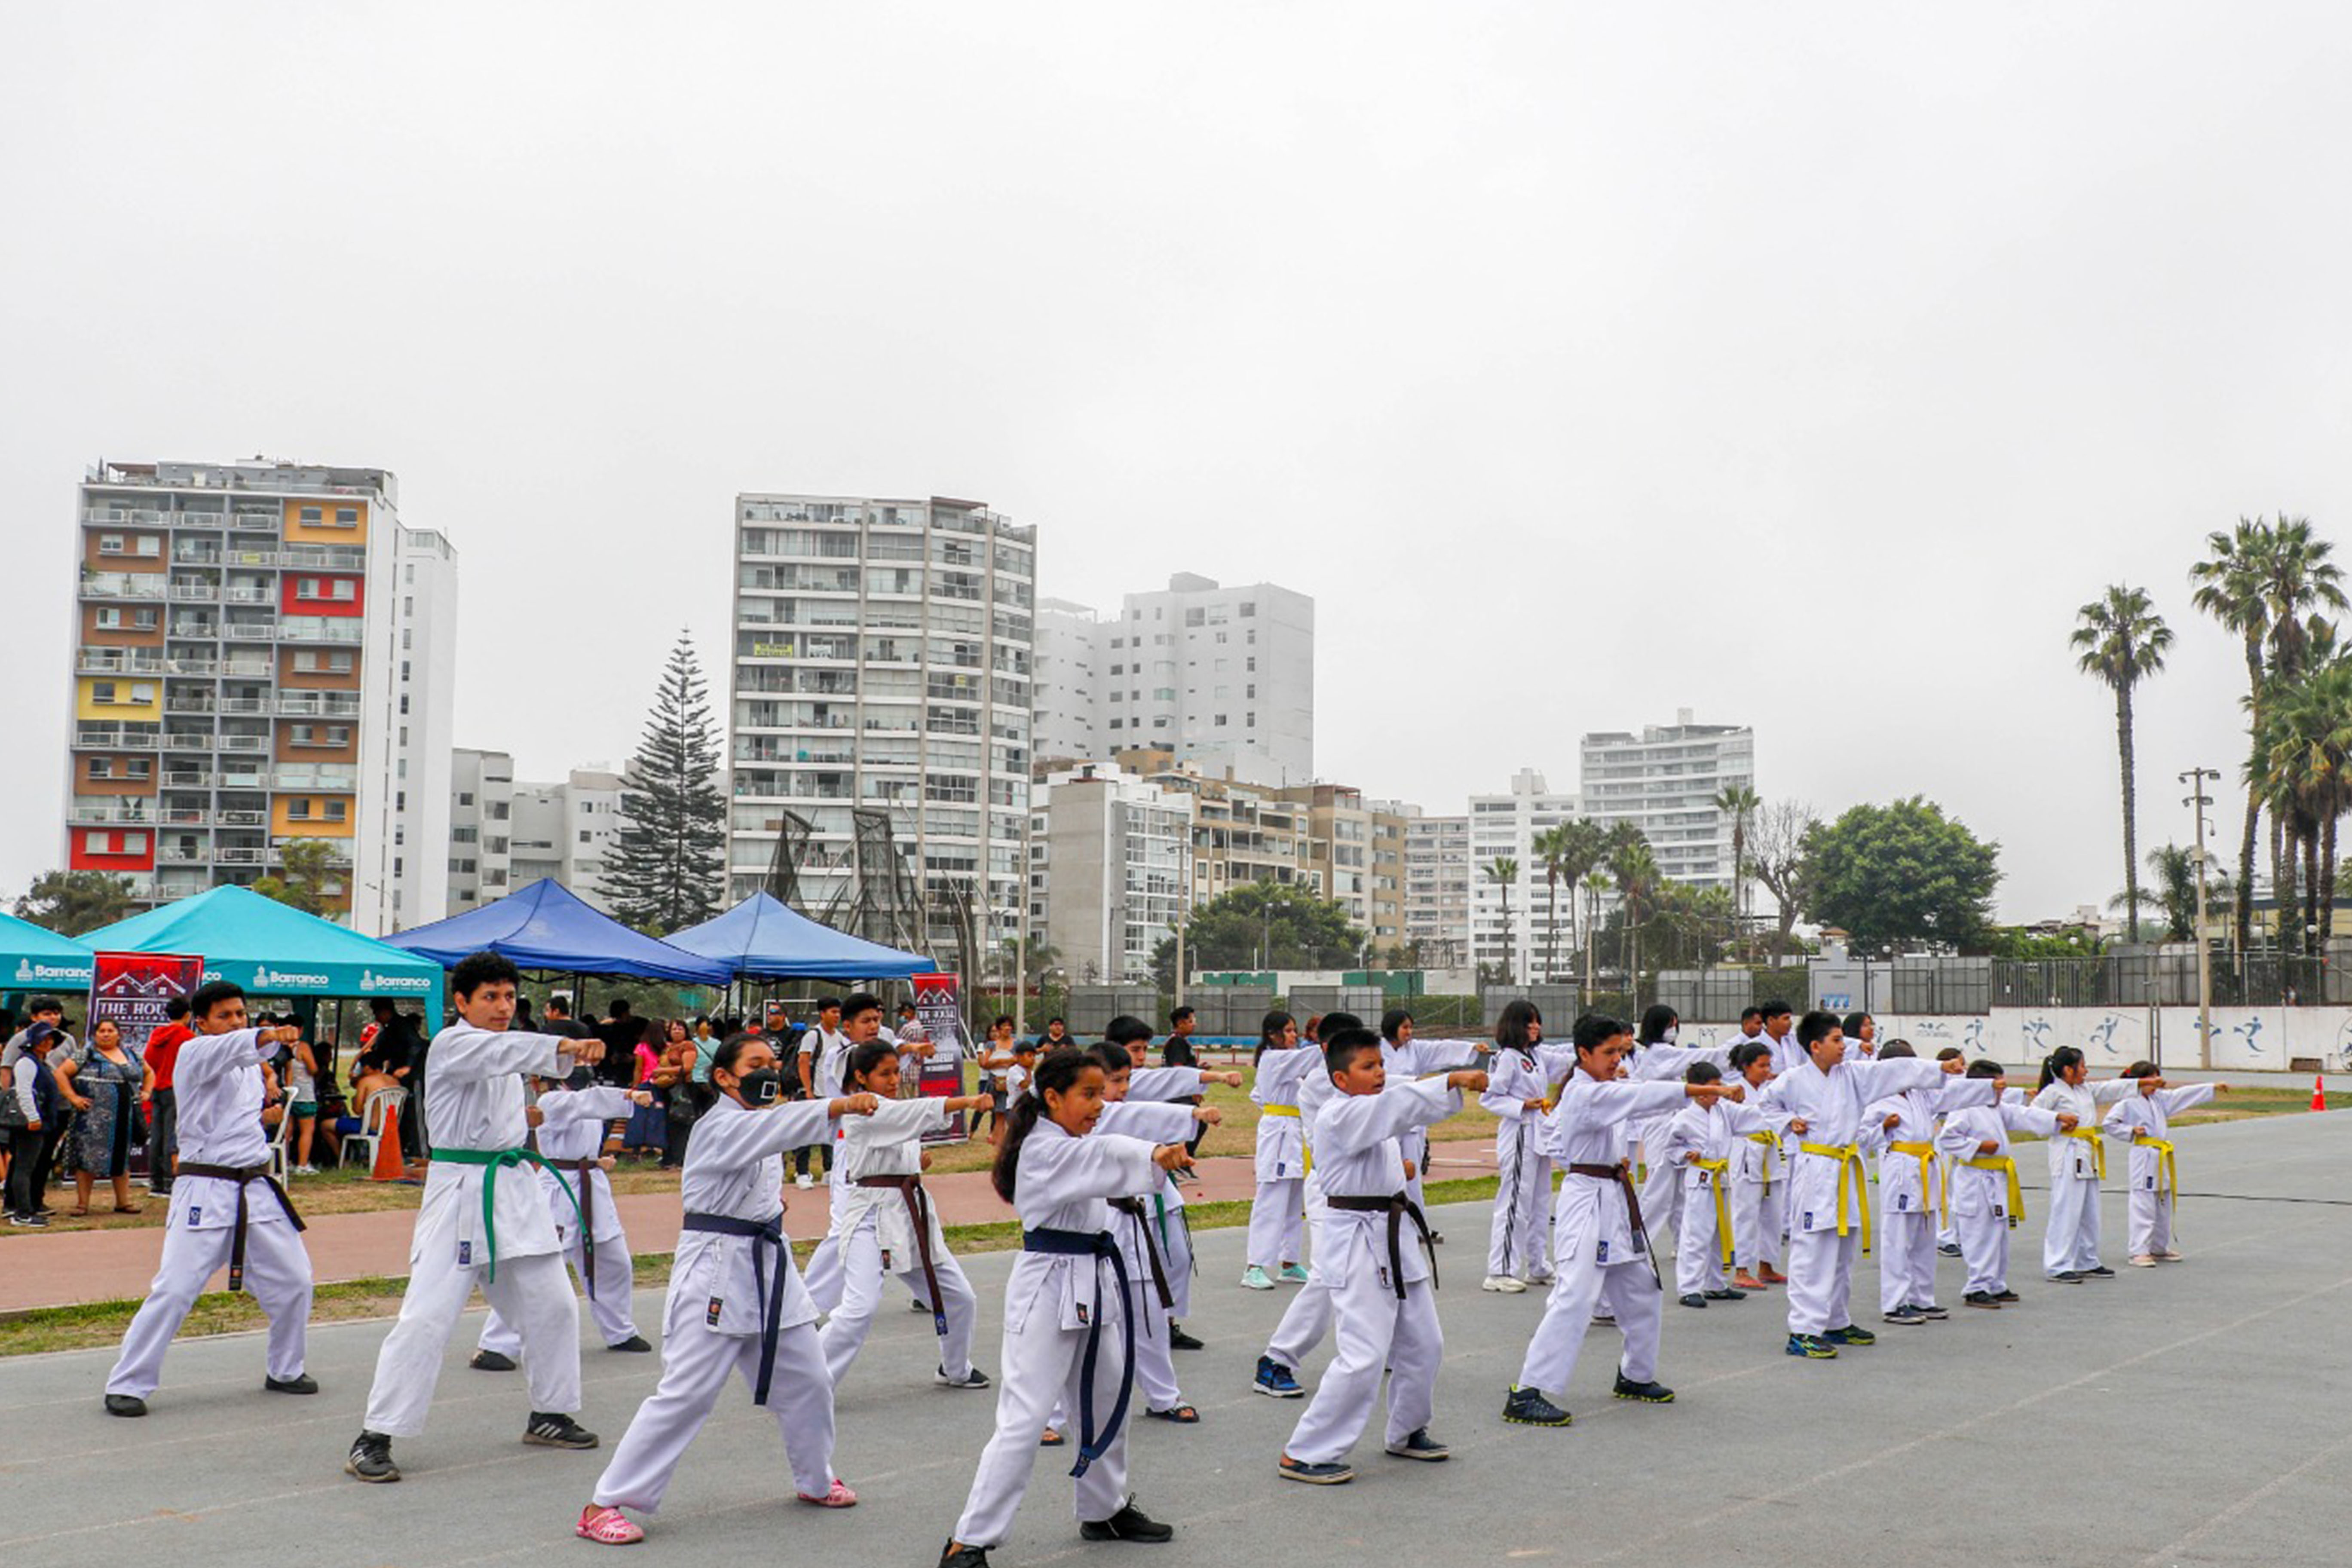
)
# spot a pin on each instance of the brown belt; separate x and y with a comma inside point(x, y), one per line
point(243, 1175)
point(587, 1198)
point(919, 1205)
point(1621, 1173)
point(1398, 1208)
point(1133, 1209)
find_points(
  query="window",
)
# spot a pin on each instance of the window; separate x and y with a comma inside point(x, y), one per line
point(584, 835)
point(1248, 608)
point(347, 517)
point(147, 544)
point(465, 797)
point(1195, 616)
point(112, 544)
point(101, 767)
point(338, 811)
point(140, 768)
point(404, 704)
point(298, 809)
point(313, 515)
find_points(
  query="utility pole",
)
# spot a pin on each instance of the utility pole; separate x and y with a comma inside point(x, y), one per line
point(2195, 779)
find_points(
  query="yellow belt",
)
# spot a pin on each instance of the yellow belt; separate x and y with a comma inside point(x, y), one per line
point(2098, 1150)
point(1280, 1111)
point(1928, 1194)
point(2168, 1169)
point(2016, 1193)
point(1770, 1140)
point(1722, 1173)
point(1854, 1176)
point(1307, 1167)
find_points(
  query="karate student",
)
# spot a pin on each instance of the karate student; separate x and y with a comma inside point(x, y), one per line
point(1658, 1058)
point(579, 1195)
point(1596, 1229)
point(216, 1216)
point(2142, 1120)
point(884, 1223)
point(1185, 1085)
point(1278, 1210)
point(1912, 1195)
point(1381, 1277)
point(475, 1229)
point(817, 1062)
point(1699, 1144)
point(1986, 1200)
point(1760, 1178)
point(2078, 1163)
point(735, 1303)
point(1829, 1186)
point(1070, 1307)
point(860, 1024)
point(1521, 1074)
point(1779, 1033)
point(1406, 1055)
point(1952, 1059)
point(1308, 1316)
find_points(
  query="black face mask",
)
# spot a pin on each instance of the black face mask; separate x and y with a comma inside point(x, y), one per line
point(760, 1089)
point(580, 1076)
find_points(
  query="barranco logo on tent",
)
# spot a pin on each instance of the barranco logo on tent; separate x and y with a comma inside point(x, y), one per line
point(371, 981)
point(266, 978)
point(28, 973)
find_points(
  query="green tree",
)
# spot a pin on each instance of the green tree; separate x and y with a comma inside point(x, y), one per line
point(1504, 872)
point(2307, 768)
point(1740, 803)
point(2174, 871)
point(1582, 842)
point(2121, 639)
point(71, 902)
point(1550, 848)
point(1262, 926)
point(1635, 869)
point(310, 880)
point(1901, 874)
point(667, 867)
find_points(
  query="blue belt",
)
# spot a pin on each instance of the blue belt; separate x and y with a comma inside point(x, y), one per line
point(1097, 1245)
point(771, 1292)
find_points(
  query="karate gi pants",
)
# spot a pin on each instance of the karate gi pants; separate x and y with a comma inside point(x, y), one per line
point(1376, 1333)
point(1984, 1250)
point(1303, 1322)
point(695, 1363)
point(531, 1292)
point(2151, 1220)
point(1043, 1364)
point(1629, 1292)
point(277, 1271)
point(1906, 1258)
point(611, 1307)
point(1278, 1222)
point(1517, 1237)
point(1175, 1238)
point(1821, 1281)
point(862, 1278)
point(1698, 1245)
point(1662, 1190)
point(1757, 1224)
point(2070, 1241)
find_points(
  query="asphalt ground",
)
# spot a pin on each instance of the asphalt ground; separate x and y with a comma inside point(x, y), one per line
point(2193, 1413)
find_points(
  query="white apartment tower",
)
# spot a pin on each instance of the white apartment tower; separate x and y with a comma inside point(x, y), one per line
point(1111, 870)
point(1514, 925)
point(1437, 890)
point(1665, 782)
point(481, 827)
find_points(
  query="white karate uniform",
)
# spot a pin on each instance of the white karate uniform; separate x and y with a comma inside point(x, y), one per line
point(1908, 1208)
point(829, 1067)
point(1155, 1122)
point(1664, 1062)
point(1593, 1239)
point(1519, 1235)
point(2137, 1116)
point(1277, 1213)
point(1308, 1316)
point(874, 1234)
point(2070, 1240)
point(1172, 1228)
point(220, 1092)
point(1707, 1132)
point(474, 1099)
point(713, 1317)
point(572, 1129)
point(1981, 1211)
point(1820, 1203)
point(1419, 1060)
point(1053, 1303)
point(1760, 1190)
point(1385, 1321)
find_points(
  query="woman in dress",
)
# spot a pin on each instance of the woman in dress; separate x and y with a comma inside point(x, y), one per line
point(100, 1081)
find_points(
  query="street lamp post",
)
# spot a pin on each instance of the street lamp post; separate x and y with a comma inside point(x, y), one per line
point(2195, 779)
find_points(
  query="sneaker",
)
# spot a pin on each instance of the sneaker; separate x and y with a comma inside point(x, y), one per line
point(1529, 1408)
point(918, 1305)
point(607, 1527)
point(1540, 1279)
point(491, 1361)
point(2098, 1271)
point(1727, 1295)
point(1275, 1380)
point(1908, 1317)
point(1694, 1300)
point(1130, 1523)
point(125, 1405)
point(1947, 1249)
point(2004, 1296)
point(1292, 1275)
point(1436, 1239)
point(954, 1556)
point(2168, 1255)
point(1505, 1284)
point(1812, 1347)
point(1929, 1309)
point(370, 1459)
point(1419, 1444)
point(29, 1221)
point(1181, 1415)
point(2143, 1260)
point(1851, 1335)
point(1984, 1298)
point(1291, 1469)
point(1771, 1276)
point(1602, 1315)
point(1177, 1340)
point(1255, 1278)
point(548, 1429)
point(837, 1495)
point(635, 1344)
point(972, 1378)
point(1651, 1392)
point(306, 1169)
point(301, 1383)
point(804, 1180)
point(2067, 1277)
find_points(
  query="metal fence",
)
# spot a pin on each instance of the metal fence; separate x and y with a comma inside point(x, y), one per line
point(1366, 1002)
point(1092, 1007)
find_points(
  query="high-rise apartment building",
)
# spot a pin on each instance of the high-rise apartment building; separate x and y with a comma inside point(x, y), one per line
point(481, 828)
point(879, 711)
point(1355, 848)
point(566, 830)
point(263, 655)
point(1437, 890)
point(1111, 870)
point(1665, 782)
point(1519, 932)
point(1223, 677)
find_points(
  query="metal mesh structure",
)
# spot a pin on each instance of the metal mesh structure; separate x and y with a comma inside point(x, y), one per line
point(885, 907)
point(792, 852)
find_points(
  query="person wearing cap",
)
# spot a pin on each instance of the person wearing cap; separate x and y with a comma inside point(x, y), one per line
point(33, 1109)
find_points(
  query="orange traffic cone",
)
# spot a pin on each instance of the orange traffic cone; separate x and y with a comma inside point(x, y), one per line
point(388, 1164)
point(2319, 1094)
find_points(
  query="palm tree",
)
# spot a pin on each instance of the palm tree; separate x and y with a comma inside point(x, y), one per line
point(1596, 885)
point(1584, 843)
point(1504, 871)
point(2231, 583)
point(2307, 766)
point(2174, 870)
point(2123, 639)
point(1550, 848)
point(1635, 870)
point(1739, 802)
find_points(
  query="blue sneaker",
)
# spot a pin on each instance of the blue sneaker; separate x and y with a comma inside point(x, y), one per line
point(1275, 1380)
point(1812, 1347)
point(1851, 1335)
point(1292, 1274)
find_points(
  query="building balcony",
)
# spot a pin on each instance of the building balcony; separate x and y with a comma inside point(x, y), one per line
point(353, 632)
point(322, 705)
point(322, 558)
point(191, 703)
point(184, 816)
point(244, 742)
point(185, 592)
point(183, 854)
point(257, 560)
point(246, 593)
point(119, 662)
point(114, 738)
point(247, 705)
point(113, 811)
point(122, 585)
point(241, 857)
point(188, 778)
point(243, 818)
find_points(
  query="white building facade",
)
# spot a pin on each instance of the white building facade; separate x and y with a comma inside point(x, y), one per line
point(1437, 890)
point(1111, 870)
point(1517, 934)
point(1665, 782)
point(481, 827)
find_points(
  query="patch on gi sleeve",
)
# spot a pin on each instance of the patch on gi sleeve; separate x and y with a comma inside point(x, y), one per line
point(1603, 1258)
point(711, 1315)
point(464, 1254)
point(1809, 1219)
point(196, 1215)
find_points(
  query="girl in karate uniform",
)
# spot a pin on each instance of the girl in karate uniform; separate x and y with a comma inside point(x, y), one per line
point(2142, 1120)
point(1279, 1211)
point(1068, 1308)
point(1912, 1197)
point(1600, 1258)
point(1760, 1178)
point(1522, 1072)
point(877, 1209)
point(737, 1303)
point(1986, 1195)
point(1173, 1231)
point(1699, 1143)
point(2078, 1163)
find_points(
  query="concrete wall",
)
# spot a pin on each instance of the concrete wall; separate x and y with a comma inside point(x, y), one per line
point(2261, 1040)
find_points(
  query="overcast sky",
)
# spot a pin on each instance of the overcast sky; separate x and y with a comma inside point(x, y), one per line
point(1805, 365)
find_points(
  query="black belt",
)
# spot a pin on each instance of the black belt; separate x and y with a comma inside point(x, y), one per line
point(586, 1199)
point(1133, 1209)
point(1093, 1442)
point(771, 1292)
point(241, 1176)
point(1621, 1173)
point(919, 1205)
point(1398, 1208)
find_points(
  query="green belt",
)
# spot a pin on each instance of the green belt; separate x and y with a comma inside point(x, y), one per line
point(492, 1161)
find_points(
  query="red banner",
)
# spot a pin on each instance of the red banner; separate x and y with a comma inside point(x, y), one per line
point(939, 1005)
point(132, 988)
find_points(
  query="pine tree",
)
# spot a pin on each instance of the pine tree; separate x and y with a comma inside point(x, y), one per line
point(667, 868)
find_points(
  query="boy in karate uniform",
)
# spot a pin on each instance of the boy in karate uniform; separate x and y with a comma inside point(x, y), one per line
point(1700, 1143)
point(476, 1229)
point(571, 1140)
point(1912, 1195)
point(1381, 1280)
point(216, 1216)
point(2142, 1120)
point(1308, 1316)
point(1760, 1178)
point(1986, 1200)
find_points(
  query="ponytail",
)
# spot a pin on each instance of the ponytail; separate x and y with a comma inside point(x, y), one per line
point(1057, 1071)
point(1511, 1028)
point(1270, 1031)
point(2056, 1062)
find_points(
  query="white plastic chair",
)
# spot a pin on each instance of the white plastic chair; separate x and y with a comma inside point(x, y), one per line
point(371, 1118)
point(277, 1142)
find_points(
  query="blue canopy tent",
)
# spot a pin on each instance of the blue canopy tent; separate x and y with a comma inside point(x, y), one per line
point(544, 925)
point(275, 950)
point(762, 938)
point(34, 959)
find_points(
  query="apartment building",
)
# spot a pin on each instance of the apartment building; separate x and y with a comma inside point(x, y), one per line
point(1111, 870)
point(1665, 781)
point(1519, 932)
point(1437, 889)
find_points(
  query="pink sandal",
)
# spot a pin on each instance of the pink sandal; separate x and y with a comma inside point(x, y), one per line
point(608, 1527)
point(835, 1496)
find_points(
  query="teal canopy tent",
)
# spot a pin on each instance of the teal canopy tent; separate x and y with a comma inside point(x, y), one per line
point(274, 949)
point(34, 959)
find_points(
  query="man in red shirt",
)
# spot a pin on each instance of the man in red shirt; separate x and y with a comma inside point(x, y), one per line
point(163, 1128)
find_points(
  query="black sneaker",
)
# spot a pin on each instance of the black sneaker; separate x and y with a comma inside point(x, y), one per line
point(1275, 1380)
point(1851, 1335)
point(1130, 1523)
point(547, 1429)
point(1694, 1300)
point(974, 1378)
point(1929, 1309)
point(2004, 1296)
point(635, 1344)
point(29, 1221)
point(2067, 1277)
point(1529, 1408)
point(302, 1383)
point(1291, 1469)
point(1907, 1317)
point(1419, 1444)
point(1949, 1249)
point(1727, 1295)
point(1651, 1392)
point(2098, 1271)
point(491, 1361)
point(1177, 1340)
point(954, 1556)
point(920, 1305)
point(125, 1405)
point(1984, 1299)
point(370, 1459)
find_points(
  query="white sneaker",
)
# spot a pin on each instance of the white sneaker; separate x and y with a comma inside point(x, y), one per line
point(306, 1169)
point(1504, 1284)
point(1539, 1280)
point(804, 1180)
